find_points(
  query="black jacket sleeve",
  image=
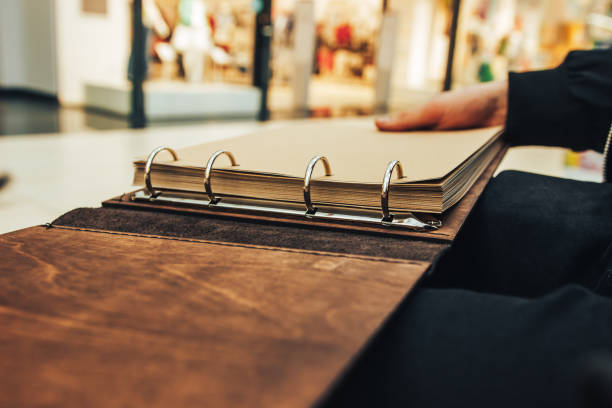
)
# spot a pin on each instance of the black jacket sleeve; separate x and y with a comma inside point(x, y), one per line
point(568, 106)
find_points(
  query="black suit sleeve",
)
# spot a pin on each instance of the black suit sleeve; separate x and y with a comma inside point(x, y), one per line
point(568, 106)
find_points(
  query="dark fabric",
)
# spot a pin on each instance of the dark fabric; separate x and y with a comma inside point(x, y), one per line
point(452, 347)
point(568, 106)
point(531, 234)
point(251, 232)
point(595, 381)
point(540, 246)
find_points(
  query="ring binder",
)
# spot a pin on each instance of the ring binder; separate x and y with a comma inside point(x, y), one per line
point(384, 194)
point(147, 173)
point(270, 186)
point(214, 200)
point(310, 208)
point(254, 206)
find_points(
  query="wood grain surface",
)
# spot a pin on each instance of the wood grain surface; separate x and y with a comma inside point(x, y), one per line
point(108, 319)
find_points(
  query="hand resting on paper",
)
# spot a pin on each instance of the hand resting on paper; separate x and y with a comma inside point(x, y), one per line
point(477, 106)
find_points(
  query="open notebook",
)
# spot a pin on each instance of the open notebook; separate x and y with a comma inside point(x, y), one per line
point(439, 167)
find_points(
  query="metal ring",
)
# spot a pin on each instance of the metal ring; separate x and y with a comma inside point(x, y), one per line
point(311, 209)
point(147, 174)
point(209, 165)
point(384, 195)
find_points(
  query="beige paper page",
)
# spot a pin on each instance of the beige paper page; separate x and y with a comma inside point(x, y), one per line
point(357, 152)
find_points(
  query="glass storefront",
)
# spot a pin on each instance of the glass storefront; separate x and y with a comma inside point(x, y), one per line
point(521, 35)
point(329, 57)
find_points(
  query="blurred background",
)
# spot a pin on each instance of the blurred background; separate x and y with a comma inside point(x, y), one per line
point(86, 85)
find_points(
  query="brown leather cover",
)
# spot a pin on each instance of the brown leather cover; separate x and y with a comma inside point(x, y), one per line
point(100, 318)
point(255, 232)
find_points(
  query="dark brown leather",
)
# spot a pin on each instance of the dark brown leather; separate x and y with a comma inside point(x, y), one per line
point(113, 319)
point(257, 232)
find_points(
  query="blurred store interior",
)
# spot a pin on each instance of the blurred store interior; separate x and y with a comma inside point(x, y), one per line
point(93, 83)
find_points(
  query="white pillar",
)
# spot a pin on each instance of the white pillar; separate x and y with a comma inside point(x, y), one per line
point(384, 59)
point(303, 43)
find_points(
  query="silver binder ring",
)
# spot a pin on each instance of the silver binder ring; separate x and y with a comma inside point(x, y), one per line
point(147, 174)
point(207, 172)
point(384, 195)
point(310, 208)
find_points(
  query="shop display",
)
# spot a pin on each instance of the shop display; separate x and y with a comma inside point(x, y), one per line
point(497, 36)
point(213, 41)
point(200, 40)
point(586, 165)
point(345, 39)
point(346, 35)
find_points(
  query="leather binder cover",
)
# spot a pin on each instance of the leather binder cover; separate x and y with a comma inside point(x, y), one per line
point(254, 232)
point(100, 318)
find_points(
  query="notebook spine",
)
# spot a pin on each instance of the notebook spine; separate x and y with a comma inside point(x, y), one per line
point(607, 157)
point(408, 220)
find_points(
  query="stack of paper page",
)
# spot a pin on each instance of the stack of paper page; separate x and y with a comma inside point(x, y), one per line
point(439, 166)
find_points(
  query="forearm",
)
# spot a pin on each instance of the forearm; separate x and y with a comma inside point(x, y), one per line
point(568, 106)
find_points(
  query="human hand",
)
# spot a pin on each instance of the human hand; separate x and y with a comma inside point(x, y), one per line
point(480, 105)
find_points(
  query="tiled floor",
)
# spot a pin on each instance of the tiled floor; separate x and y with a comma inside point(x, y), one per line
point(53, 173)
point(26, 114)
point(32, 114)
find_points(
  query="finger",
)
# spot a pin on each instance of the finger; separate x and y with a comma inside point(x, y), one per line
point(417, 119)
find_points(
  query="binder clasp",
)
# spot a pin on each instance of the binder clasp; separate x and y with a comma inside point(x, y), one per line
point(386, 183)
point(408, 218)
point(209, 165)
point(310, 208)
point(147, 173)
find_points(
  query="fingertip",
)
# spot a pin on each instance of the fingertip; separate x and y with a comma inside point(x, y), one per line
point(382, 122)
point(392, 123)
point(420, 118)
